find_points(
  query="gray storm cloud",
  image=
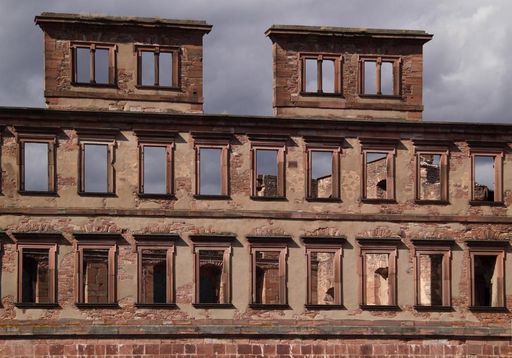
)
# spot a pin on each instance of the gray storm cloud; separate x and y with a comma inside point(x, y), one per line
point(466, 74)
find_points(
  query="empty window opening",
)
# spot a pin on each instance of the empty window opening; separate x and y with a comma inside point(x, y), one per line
point(154, 276)
point(431, 280)
point(211, 274)
point(210, 171)
point(370, 77)
point(83, 58)
point(387, 79)
point(376, 175)
point(268, 281)
point(321, 174)
point(36, 166)
point(484, 178)
point(322, 278)
point(430, 177)
point(311, 75)
point(100, 65)
point(267, 173)
point(36, 275)
point(155, 170)
point(377, 279)
point(95, 273)
point(328, 76)
point(96, 168)
point(157, 69)
point(486, 281)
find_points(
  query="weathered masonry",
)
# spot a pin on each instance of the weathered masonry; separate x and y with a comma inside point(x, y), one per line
point(133, 224)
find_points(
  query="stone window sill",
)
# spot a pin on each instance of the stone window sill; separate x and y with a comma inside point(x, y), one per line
point(263, 306)
point(31, 305)
point(156, 305)
point(380, 307)
point(97, 305)
point(213, 305)
point(423, 308)
point(315, 307)
point(486, 203)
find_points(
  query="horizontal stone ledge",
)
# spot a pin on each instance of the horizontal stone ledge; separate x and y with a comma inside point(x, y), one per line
point(252, 214)
point(264, 329)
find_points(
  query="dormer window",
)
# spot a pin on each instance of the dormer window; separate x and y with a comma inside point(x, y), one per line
point(379, 76)
point(94, 64)
point(158, 67)
point(321, 74)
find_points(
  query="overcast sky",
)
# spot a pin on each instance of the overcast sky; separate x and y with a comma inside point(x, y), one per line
point(466, 72)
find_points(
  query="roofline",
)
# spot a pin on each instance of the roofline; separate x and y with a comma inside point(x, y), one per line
point(97, 19)
point(10, 113)
point(348, 31)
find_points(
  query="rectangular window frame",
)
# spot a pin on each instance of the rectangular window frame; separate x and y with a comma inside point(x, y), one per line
point(396, 61)
point(96, 241)
point(322, 244)
point(379, 145)
point(161, 139)
point(436, 148)
point(97, 137)
point(388, 246)
point(92, 46)
point(323, 145)
point(163, 242)
point(485, 149)
point(274, 244)
point(38, 240)
point(46, 136)
point(262, 142)
point(488, 248)
point(176, 66)
point(213, 242)
point(320, 57)
point(434, 247)
point(220, 141)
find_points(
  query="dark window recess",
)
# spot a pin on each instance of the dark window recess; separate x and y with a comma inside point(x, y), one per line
point(484, 178)
point(155, 170)
point(36, 166)
point(268, 280)
point(376, 175)
point(267, 173)
point(96, 168)
point(211, 270)
point(431, 280)
point(486, 281)
point(210, 171)
point(321, 174)
point(430, 177)
point(322, 278)
point(95, 275)
point(36, 276)
point(154, 276)
point(156, 69)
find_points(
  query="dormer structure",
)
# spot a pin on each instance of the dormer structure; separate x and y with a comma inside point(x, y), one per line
point(123, 63)
point(347, 72)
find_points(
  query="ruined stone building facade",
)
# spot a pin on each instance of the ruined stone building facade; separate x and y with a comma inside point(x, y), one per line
point(134, 224)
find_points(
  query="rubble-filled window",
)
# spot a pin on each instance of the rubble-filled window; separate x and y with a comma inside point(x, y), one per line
point(378, 272)
point(378, 175)
point(432, 275)
point(379, 76)
point(323, 174)
point(487, 277)
point(96, 168)
point(36, 271)
point(158, 67)
point(96, 274)
point(324, 271)
point(37, 165)
point(268, 274)
point(93, 64)
point(484, 178)
point(156, 169)
point(321, 74)
point(432, 177)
